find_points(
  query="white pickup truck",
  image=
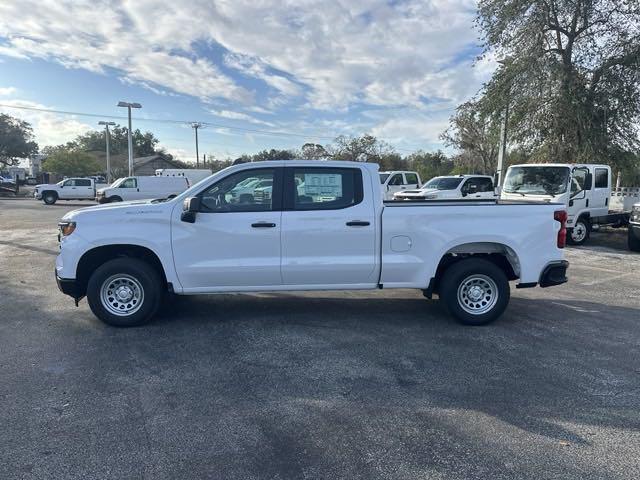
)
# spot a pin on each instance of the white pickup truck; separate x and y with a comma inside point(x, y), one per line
point(323, 227)
point(67, 189)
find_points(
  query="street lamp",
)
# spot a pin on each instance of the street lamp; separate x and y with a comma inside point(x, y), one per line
point(129, 106)
point(106, 126)
point(196, 126)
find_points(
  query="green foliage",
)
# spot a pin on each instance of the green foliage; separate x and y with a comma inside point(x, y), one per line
point(144, 144)
point(569, 76)
point(429, 164)
point(366, 148)
point(72, 163)
point(16, 140)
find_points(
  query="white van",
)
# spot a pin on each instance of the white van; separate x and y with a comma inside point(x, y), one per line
point(396, 181)
point(469, 187)
point(142, 188)
point(193, 175)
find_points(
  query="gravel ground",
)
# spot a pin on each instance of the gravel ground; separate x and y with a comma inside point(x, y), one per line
point(353, 385)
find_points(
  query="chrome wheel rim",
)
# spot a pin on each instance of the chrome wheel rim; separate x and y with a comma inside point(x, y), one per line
point(579, 232)
point(121, 295)
point(477, 294)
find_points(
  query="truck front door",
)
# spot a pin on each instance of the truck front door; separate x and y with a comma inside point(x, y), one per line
point(235, 239)
point(328, 228)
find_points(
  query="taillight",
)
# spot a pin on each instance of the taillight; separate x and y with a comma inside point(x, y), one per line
point(561, 216)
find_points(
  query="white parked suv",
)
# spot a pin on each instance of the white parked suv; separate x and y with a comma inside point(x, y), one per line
point(470, 187)
point(68, 189)
point(397, 181)
point(142, 188)
point(324, 227)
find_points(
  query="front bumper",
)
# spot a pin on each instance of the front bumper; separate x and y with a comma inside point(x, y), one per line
point(69, 286)
point(37, 195)
point(555, 273)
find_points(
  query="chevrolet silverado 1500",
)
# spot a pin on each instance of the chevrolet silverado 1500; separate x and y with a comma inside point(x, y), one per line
point(322, 226)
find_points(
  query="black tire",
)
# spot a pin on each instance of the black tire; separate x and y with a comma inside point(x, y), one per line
point(493, 285)
point(633, 241)
point(129, 270)
point(115, 198)
point(580, 232)
point(49, 198)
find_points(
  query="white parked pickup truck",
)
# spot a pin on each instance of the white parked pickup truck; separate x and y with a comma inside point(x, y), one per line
point(470, 187)
point(68, 189)
point(323, 227)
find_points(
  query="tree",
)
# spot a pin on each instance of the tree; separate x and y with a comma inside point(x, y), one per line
point(144, 144)
point(366, 148)
point(569, 76)
point(72, 163)
point(476, 136)
point(314, 151)
point(273, 154)
point(16, 140)
point(429, 165)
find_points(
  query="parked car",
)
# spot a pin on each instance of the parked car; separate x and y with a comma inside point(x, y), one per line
point(333, 234)
point(142, 188)
point(584, 190)
point(68, 189)
point(634, 229)
point(396, 181)
point(470, 187)
point(8, 185)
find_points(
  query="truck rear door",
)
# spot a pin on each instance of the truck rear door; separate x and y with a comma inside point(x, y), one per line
point(328, 228)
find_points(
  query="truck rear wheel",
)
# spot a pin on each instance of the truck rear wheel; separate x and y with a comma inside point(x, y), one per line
point(124, 292)
point(579, 233)
point(475, 291)
point(49, 197)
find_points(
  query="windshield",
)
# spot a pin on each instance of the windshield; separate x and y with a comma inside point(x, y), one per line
point(443, 183)
point(383, 177)
point(542, 180)
point(117, 182)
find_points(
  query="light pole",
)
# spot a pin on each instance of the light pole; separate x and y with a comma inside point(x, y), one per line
point(130, 140)
point(502, 149)
point(106, 126)
point(196, 126)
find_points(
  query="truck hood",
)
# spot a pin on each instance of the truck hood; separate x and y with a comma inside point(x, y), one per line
point(118, 210)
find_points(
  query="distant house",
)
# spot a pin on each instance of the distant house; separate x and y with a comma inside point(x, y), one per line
point(148, 165)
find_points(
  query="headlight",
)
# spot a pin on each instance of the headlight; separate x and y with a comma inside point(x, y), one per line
point(67, 228)
point(635, 214)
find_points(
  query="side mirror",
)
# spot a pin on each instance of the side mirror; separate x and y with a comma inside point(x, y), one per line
point(190, 207)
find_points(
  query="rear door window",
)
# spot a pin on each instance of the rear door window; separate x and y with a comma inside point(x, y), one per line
point(315, 188)
point(602, 178)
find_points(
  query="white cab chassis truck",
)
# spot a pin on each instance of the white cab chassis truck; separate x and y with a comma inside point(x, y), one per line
point(324, 226)
point(583, 190)
point(67, 189)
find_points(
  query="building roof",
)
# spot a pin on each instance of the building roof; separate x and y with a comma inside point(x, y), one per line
point(139, 161)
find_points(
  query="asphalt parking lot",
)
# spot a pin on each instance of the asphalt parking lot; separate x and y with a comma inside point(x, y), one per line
point(318, 385)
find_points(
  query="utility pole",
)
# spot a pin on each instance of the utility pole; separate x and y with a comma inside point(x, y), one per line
point(502, 149)
point(196, 126)
point(108, 137)
point(129, 106)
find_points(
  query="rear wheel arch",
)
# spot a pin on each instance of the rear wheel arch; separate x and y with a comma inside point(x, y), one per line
point(94, 258)
point(499, 254)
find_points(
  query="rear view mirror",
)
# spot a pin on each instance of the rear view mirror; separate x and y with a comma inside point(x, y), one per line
point(190, 207)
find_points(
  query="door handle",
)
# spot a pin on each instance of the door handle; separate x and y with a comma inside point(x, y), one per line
point(263, 225)
point(357, 223)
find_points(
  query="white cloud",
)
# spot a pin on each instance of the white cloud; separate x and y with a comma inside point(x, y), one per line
point(239, 116)
point(6, 91)
point(48, 128)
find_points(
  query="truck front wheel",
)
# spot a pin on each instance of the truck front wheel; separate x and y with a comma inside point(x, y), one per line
point(124, 292)
point(580, 232)
point(49, 197)
point(475, 291)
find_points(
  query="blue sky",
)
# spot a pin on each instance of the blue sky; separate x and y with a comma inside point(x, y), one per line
point(316, 69)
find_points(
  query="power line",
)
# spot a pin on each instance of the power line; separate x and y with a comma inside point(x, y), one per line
point(164, 120)
point(185, 122)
